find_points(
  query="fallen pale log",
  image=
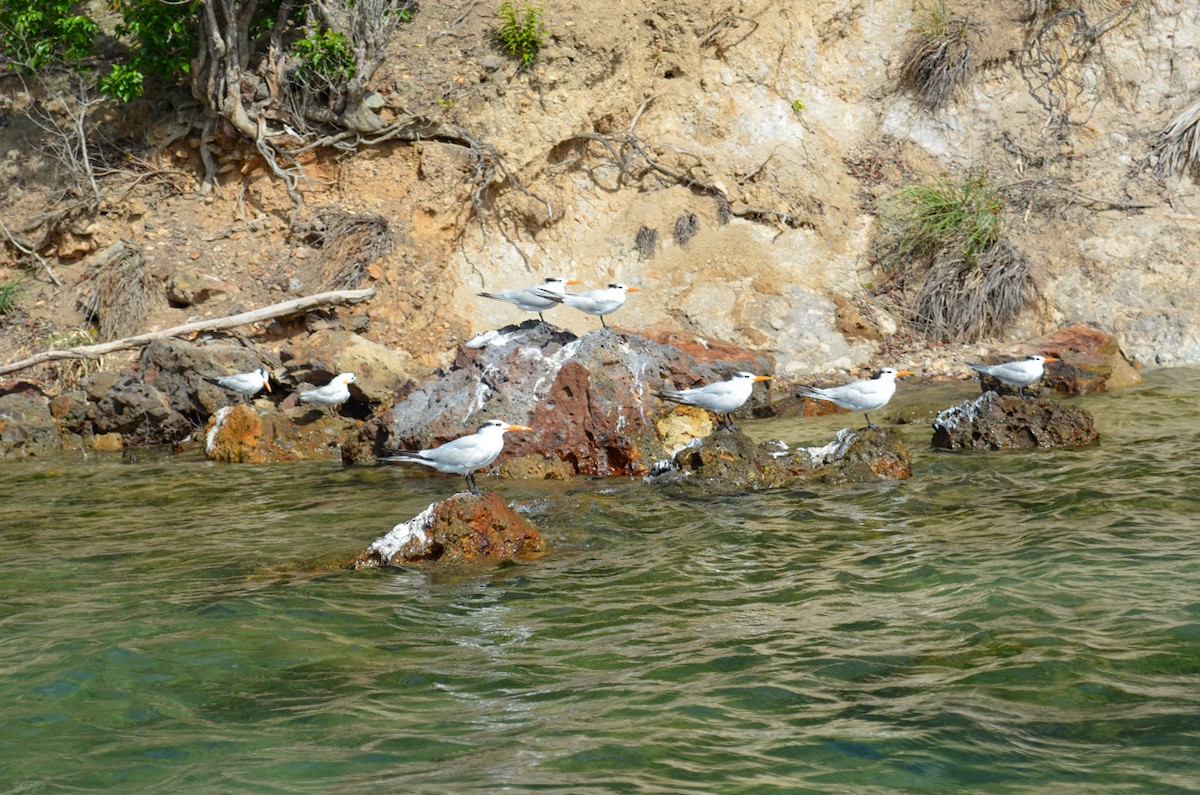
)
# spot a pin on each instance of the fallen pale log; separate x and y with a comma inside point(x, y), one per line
point(229, 321)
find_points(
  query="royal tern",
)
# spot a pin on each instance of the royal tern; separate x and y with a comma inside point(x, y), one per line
point(1020, 373)
point(332, 395)
point(529, 299)
point(594, 302)
point(245, 384)
point(864, 396)
point(464, 455)
point(723, 397)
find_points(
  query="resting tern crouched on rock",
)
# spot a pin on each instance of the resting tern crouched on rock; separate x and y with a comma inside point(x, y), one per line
point(1020, 373)
point(723, 397)
point(464, 455)
point(865, 396)
point(530, 298)
point(594, 302)
point(245, 384)
point(332, 395)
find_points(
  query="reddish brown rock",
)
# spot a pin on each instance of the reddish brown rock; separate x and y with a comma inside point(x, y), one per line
point(465, 527)
point(1091, 361)
point(1005, 422)
point(587, 398)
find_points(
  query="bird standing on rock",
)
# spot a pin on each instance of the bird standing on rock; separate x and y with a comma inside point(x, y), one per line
point(594, 302)
point(723, 397)
point(332, 395)
point(464, 455)
point(865, 396)
point(529, 299)
point(247, 385)
point(1020, 373)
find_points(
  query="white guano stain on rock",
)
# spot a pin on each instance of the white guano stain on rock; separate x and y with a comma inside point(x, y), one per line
point(218, 423)
point(411, 537)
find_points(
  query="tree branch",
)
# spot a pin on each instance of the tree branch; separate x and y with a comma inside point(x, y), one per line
point(229, 321)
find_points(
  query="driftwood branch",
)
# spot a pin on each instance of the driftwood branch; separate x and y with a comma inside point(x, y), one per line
point(214, 324)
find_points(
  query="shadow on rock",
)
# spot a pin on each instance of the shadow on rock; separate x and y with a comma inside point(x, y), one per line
point(1005, 422)
point(465, 527)
point(729, 461)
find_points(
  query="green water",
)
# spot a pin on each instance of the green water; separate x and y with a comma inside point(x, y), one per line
point(1018, 622)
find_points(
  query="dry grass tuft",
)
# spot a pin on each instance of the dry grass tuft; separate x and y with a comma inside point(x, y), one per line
point(118, 293)
point(65, 374)
point(350, 243)
point(1177, 150)
point(941, 57)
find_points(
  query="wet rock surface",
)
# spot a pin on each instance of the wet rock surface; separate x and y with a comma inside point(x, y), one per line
point(1005, 422)
point(462, 528)
point(27, 429)
point(587, 398)
point(259, 434)
point(729, 461)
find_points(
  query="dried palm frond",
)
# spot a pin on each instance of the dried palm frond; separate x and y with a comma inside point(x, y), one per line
point(349, 244)
point(117, 292)
point(1177, 150)
point(965, 301)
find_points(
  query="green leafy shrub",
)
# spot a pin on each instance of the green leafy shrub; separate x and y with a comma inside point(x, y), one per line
point(37, 33)
point(325, 56)
point(520, 33)
point(945, 257)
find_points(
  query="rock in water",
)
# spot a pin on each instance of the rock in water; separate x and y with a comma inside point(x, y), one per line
point(1004, 422)
point(461, 528)
point(729, 461)
point(586, 397)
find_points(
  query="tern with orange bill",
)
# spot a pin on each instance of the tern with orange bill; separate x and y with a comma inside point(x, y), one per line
point(464, 455)
point(722, 397)
point(865, 396)
point(530, 299)
point(1020, 373)
point(594, 302)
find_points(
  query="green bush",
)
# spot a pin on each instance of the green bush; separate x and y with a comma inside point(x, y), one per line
point(9, 292)
point(325, 56)
point(521, 33)
point(37, 33)
point(963, 218)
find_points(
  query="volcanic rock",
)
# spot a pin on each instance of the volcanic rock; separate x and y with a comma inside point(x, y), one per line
point(26, 427)
point(465, 527)
point(587, 398)
point(729, 461)
point(1005, 422)
point(177, 369)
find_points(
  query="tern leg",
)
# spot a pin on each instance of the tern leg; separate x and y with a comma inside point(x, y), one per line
point(602, 323)
point(472, 486)
point(870, 424)
point(541, 318)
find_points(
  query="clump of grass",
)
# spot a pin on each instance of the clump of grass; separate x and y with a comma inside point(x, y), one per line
point(1177, 150)
point(941, 57)
point(520, 32)
point(943, 250)
point(9, 293)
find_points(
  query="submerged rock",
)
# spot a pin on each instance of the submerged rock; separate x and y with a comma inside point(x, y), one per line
point(1005, 422)
point(587, 398)
point(730, 461)
point(462, 528)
